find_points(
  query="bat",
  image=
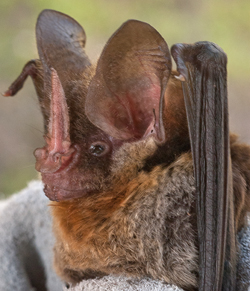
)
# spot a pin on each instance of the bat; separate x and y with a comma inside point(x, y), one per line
point(143, 175)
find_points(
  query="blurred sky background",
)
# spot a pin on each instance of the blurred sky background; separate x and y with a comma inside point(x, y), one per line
point(225, 22)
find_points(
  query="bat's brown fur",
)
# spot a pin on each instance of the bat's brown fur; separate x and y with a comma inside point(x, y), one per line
point(240, 154)
point(142, 227)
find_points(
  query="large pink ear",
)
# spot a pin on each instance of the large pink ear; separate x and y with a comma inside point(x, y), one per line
point(125, 97)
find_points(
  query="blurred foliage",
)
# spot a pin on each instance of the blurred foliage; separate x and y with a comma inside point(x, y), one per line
point(225, 22)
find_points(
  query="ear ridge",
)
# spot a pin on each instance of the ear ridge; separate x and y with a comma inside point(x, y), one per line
point(125, 96)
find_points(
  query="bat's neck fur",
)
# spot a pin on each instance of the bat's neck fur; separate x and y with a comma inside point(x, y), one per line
point(105, 232)
point(89, 213)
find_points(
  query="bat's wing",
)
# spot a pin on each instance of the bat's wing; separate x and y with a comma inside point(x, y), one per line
point(203, 71)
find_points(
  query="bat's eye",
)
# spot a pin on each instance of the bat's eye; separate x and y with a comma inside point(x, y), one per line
point(99, 148)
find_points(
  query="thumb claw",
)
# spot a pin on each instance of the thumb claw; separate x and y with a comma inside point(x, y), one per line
point(7, 93)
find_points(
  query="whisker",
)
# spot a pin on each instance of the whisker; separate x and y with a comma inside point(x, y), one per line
point(35, 128)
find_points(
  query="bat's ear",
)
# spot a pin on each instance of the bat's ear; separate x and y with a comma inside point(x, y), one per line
point(125, 97)
point(60, 42)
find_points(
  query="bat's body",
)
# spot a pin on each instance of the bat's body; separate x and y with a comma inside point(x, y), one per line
point(118, 156)
point(106, 233)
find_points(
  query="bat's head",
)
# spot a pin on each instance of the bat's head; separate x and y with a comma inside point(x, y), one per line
point(101, 119)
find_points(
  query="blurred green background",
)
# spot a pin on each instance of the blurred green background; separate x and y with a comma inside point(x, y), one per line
point(224, 22)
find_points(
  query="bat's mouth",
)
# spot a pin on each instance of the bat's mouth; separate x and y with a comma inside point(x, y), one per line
point(58, 194)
